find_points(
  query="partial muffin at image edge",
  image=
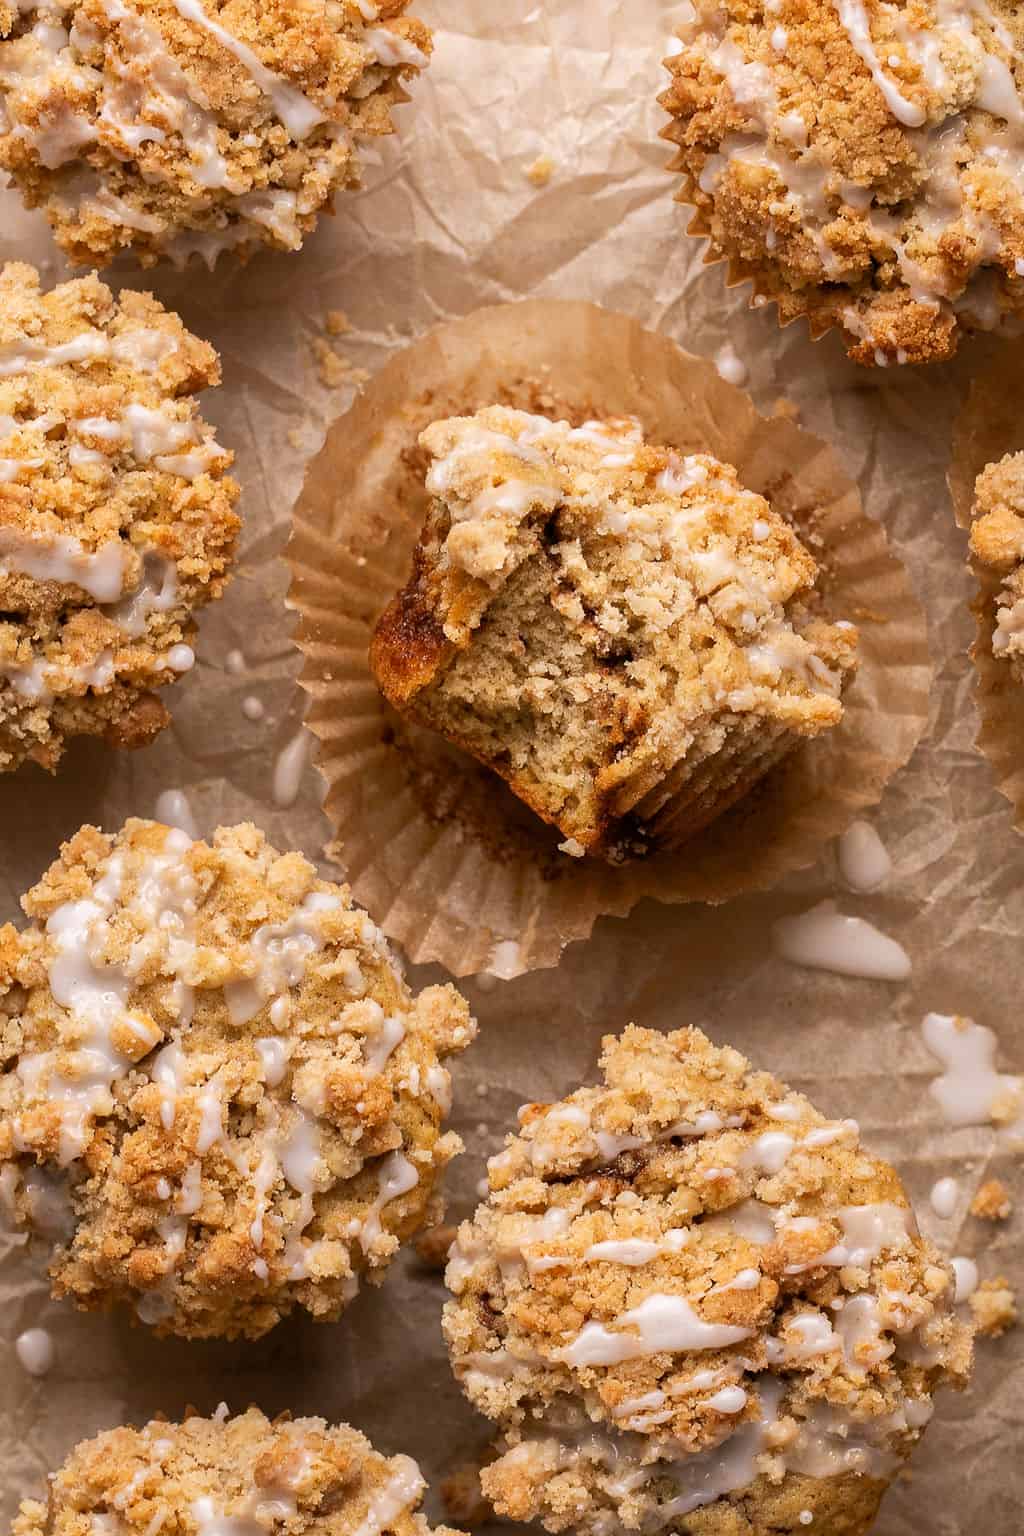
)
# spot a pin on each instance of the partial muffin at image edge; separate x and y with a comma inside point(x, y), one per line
point(997, 546)
point(627, 635)
point(220, 1100)
point(117, 515)
point(692, 1303)
point(205, 1476)
point(180, 128)
point(858, 165)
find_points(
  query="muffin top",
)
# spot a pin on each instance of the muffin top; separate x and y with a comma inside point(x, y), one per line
point(220, 1100)
point(176, 128)
point(117, 515)
point(244, 1474)
point(660, 556)
point(997, 544)
point(686, 1288)
point(860, 163)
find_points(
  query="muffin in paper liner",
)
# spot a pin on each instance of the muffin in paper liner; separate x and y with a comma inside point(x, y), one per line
point(989, 427)
point(871, 192)
point(440, 852)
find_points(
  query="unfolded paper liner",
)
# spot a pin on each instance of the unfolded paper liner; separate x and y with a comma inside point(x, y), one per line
point(438, 849)
point(991, 425)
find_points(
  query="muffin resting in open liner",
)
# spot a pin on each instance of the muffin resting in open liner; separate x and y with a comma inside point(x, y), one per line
point(450, 863)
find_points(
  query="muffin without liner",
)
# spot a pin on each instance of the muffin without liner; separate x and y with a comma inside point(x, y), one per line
point(220, 1100)
point(691, 1303)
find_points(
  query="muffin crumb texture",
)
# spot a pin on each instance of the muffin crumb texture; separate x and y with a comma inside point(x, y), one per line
point(859, 162)
point(627, 635)
point(205, 1477)
point(997, 545)
point(181, 128)
point(220, 1100)
point(117, 515)
point(992, 1202)
point(994, 1306)
point(691, 1303)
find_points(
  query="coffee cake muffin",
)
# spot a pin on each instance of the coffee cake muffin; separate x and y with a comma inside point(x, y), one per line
point(628, 636)
point(860, 164)
point(117, 515)
point(180, 128)
point(997, 545)
point(219, 1100)
point(691, 1303)
point(208, 1477)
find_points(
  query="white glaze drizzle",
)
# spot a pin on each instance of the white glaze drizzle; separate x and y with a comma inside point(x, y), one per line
point(661, 1322)
point(96, 995)
point(35, 1351)
point(396, 1177)
point(295, 110)
point(825, 939)
point(864, 862)
point(970, 1090)
point(399, 1493)
point(278, 954)
point(289, 767)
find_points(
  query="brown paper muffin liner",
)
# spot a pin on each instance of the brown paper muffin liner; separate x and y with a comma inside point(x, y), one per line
point(990, 426)
point(438, 850)
point(740, 273)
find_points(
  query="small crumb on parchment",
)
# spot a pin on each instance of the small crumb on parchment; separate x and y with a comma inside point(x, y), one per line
point(334, 368)
point(432, 1247)
point(994, 1306)
point(337, 323)
point(540, 171)
point(992, 1202)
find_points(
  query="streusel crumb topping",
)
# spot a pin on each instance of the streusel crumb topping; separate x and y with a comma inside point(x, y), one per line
point(860, 162)
point(589, 612)
point(175, 128)
point(117, 515)
point(220, 1099)
point(205, 1477)
point(997, 543)
point(689, 1291)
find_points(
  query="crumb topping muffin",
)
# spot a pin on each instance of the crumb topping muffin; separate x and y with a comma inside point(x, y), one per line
point(860, 162)
point(627, 635)
point(175, 128)
point(219, 1098)
point(692, 1303)
point(117, 515)
point(997, 544)
point(206, 1477)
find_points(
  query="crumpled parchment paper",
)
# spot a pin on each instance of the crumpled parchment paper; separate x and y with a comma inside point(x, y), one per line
point(449, 222)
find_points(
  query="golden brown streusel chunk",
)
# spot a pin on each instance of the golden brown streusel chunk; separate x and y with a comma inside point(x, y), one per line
point(992, 1202)
point(859, 162)
point(628, 636)
point(994, 1306)
point(997, 544)
point(190, 127)
point(205, 1476)
point(117, 515)
point(220, 1099)
point(692, 1304)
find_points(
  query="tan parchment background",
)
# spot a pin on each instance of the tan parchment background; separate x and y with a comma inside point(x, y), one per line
point(449, 222)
